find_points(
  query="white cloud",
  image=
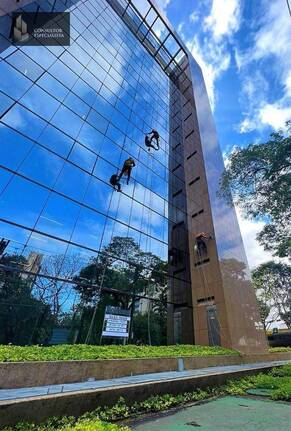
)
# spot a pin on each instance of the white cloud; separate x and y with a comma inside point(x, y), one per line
point(194, 17)
point(275, 115)
point(246, 125)
point(287, 85)
point(255, 252)
point(162, 4)
point(224, 18)
point(269, 55)
point(213, 60)
point(211, 48)
point(180, 27)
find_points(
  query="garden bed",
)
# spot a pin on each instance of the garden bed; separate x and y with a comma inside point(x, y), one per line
point(89, 352)
point(278, 381)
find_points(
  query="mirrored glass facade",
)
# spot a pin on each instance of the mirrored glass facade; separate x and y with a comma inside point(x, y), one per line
point(69, 118)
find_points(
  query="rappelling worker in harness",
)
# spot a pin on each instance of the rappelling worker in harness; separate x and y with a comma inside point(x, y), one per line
point(114, 181)
point(126, 169)
point(201, 240)
point(153, 135)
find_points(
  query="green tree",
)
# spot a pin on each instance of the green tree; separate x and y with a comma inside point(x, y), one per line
point(264, 309)
point(122, 266)
point(150, 328)
point(23, 318)
point(272, 281)
point(259, 177)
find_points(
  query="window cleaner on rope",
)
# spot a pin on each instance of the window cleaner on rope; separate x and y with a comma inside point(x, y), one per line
point(126, 169)
point(201, 242)
point(153, 135)
point(114, 181)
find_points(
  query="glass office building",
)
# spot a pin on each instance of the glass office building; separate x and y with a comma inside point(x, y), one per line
point(69, 118)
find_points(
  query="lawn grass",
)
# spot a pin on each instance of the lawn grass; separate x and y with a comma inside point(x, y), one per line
point(278, 380)
point(90, 352)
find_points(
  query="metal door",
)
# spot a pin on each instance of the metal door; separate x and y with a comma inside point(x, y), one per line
point(213, 327)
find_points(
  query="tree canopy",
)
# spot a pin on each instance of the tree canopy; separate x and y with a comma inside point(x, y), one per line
point(272, 281)
point(23, 318)
point(259, 178)
point(121, 265)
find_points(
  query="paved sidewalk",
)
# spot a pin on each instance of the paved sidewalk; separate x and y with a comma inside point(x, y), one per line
point(15, 394)
point(226, 413)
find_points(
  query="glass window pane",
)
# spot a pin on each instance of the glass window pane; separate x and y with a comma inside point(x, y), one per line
point(16, 145)
point(115, 135)
point(52, 86)
point(25, 121)
point(63, 74)
point(5, 103)
point(84, 91)
point(110, 151)
point(83, 157)
point(142, 6)
point(25, 65)
point(91, 138)
point(151, 17)
point(72, 182)
point(171, 45)
point(160, 30)
point(89, 229)
point(67, 121)
point(97, 194)
point(40, 55)
point(58, 217)
point(91, 80)
point(38, 101)
point(72, 63)
point(12, 82)
point(30, 199)
point(42, 166)
point(97, 121)
point(55, 140)
point(104, 170)
point(77, 105)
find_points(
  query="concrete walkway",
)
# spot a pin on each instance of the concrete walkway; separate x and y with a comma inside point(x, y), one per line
point(18, 394)
point(226, 413)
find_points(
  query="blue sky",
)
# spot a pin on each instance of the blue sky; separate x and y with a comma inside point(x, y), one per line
point(243, 48)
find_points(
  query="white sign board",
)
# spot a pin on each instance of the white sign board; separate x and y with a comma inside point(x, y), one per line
point(116, 326)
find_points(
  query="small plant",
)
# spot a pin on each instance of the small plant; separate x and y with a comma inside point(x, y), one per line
point(283, 392)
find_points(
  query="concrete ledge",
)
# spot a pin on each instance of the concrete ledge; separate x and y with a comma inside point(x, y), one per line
point(28, 374)
point(38, 409)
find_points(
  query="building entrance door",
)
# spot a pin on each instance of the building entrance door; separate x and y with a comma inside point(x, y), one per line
point(213, 327)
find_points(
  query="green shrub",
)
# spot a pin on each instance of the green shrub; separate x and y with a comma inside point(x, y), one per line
point(283, 392)
point(68, 352)
point(284, 371)
point(95, 425)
